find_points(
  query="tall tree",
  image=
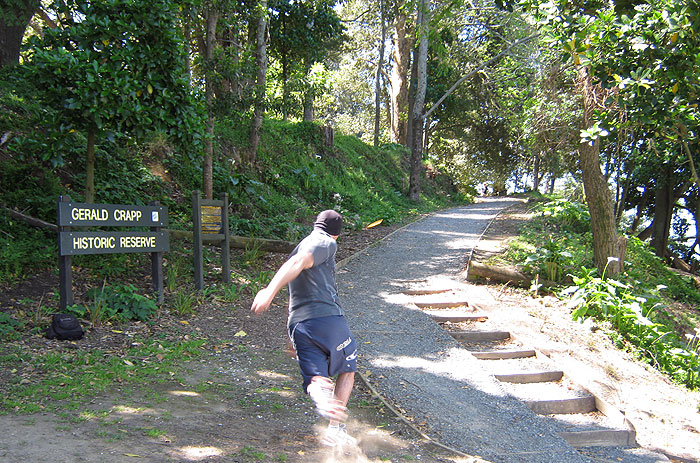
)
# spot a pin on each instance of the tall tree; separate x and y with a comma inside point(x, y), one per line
point(113, 65)
point(378, 75)
point(303, 34)
point(212, 19)
point(606, 242)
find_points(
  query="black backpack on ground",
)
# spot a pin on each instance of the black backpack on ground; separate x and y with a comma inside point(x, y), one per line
point(64, 327)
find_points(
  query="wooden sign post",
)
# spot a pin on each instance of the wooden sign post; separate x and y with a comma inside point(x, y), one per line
point(210, 221)
point(71, 243)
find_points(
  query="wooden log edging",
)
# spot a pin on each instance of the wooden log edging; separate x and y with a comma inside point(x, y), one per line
point(503, 275)
point(239, 242)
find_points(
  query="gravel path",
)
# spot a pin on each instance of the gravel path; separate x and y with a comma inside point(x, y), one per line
point(417, 365)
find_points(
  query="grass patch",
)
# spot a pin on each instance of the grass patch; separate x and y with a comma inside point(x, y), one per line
point(54, 381)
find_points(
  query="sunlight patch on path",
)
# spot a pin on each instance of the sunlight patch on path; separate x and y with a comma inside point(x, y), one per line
point(199, 453)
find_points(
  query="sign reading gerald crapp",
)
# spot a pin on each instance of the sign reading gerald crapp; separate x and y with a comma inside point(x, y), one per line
point(111, 215)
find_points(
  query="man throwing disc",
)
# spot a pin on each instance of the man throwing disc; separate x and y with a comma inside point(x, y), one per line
point(317, 328)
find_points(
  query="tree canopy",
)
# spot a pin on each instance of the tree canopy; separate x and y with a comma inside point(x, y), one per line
point(504, 96)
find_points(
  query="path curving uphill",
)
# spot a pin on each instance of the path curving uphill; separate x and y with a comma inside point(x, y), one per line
point(416, 365)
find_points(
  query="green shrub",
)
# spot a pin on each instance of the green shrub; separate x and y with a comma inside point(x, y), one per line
point(551, 260)
point(9, 327)
point(122, 302)
point(567, 216)
point(645, 267)
point(24, 249)
point(637, 320)
point(30, 188)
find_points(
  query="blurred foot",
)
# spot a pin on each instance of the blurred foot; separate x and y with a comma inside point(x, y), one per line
point(337, 436)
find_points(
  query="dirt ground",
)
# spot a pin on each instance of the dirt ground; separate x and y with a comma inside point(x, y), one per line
point(241, 400)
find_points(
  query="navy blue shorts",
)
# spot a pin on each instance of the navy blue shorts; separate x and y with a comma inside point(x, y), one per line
point(324, 347)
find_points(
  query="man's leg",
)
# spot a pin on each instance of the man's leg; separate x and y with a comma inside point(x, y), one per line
point(336, 433)
point(322, 393)
point(343, 388)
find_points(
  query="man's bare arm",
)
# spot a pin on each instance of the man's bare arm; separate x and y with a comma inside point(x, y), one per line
point(286, 273)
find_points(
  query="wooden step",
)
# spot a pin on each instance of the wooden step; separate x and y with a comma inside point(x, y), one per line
point(426, 291)
point(600, 438)
point(504, 354)
point(442, 317)
point(531, 377)
point(441, 304)
point(563, 406)
point(480, 336)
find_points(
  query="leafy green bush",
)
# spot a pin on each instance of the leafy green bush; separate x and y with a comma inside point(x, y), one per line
point(645, 267)
point(30, 188)
point(550, 260)
point(636, 320)
point(567, 216)
point(121, 302)
point(23, 248)
point(9, 327)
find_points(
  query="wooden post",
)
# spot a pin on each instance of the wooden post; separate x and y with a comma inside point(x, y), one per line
point(157, 266)
point(65, 271)
point(225, 247)
point(197, 231)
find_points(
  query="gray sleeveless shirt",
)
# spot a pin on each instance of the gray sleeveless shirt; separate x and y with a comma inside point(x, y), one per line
point(314, 293)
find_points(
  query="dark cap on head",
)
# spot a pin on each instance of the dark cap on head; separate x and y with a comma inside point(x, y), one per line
point(330, 222)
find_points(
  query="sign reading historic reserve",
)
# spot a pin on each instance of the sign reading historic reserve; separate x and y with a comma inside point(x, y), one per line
point(75, 243)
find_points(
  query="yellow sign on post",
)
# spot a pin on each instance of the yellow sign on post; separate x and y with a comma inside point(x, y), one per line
point(210, 221)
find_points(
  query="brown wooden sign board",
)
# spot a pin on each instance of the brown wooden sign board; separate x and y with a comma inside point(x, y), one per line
point(210, 221)
point(70, 242)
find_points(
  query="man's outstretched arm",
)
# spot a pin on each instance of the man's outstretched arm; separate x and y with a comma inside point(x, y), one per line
point(286, 273)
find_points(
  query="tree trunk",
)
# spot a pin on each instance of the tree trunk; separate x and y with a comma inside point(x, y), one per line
point(663, 212)
point(536, 174)
point(418, 106)
point(399, 78)
point(308, 98)
point(378, 78)
point(503, 275)
point(90, 166)
point(309, 105)
point(606, 242)
point(261, 64)
point(208, 167)
point(412, 84)
point(14, 19)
